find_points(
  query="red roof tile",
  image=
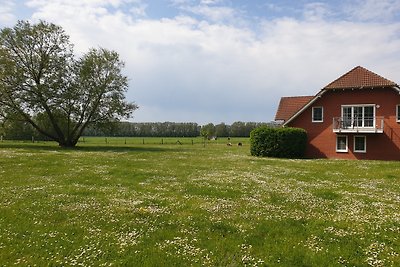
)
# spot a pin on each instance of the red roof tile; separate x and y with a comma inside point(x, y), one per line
point(359, 77)
point(288, 106)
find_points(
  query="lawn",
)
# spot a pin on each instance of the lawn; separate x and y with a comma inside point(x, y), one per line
point(119, 202)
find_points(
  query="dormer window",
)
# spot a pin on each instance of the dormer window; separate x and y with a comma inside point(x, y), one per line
point(317, 114)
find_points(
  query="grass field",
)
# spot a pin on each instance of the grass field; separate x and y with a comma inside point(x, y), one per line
point(124, 203)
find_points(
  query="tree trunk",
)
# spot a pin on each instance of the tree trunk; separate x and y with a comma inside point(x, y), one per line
point(67, 143)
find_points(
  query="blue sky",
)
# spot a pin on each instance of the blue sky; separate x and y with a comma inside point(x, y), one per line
point(225, 60)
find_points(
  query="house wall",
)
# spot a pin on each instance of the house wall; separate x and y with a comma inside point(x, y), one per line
point(322, 139)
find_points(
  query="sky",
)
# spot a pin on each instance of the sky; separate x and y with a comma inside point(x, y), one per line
point(213, 61)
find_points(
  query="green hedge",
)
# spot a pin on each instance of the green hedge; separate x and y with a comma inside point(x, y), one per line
point(282, 142)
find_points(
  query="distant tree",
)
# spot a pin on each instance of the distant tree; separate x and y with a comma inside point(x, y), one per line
point(41, 83)
point(238, 129)
point(207, 130)
point(17, 130)
point(222, 130)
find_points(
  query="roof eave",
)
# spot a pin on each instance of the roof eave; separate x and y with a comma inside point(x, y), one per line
point(396, 87)
point(305, 107)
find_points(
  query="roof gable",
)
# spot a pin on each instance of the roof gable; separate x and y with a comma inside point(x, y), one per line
point(359, 77)
point(288, 106)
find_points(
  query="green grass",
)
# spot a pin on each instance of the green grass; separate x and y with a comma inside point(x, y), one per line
point(105, 204)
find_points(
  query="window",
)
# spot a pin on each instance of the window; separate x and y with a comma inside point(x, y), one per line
point(317, 114)
point(358, 116)
point(398, 113)
point(360, 144)
point(341, 143)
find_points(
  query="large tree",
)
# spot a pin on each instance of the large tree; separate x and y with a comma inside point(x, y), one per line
point(42, 83)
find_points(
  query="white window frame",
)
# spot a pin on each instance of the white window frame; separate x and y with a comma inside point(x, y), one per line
point(347, 144)
point(322, 114)
point(365, 144)
point(352, 106)
point(398, 113)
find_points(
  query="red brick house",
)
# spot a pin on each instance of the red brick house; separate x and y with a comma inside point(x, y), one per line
point(356, 116)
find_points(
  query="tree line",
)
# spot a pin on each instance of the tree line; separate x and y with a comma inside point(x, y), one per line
point(19, 130)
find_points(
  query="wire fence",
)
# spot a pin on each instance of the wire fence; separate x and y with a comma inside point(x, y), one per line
point(162, 140)
point(129, 141)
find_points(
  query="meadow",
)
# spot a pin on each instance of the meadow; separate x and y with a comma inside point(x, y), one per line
point(160, 202)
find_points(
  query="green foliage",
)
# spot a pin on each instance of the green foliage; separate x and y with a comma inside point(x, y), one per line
point(44, 85)
point(173, 129)
point(17, 130)
point(237, 129)
point(145, 129)
point(278, 142)
point(222, 130)
point(207, 130)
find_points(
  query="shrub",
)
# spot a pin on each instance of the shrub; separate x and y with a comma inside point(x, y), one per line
point(278, 142)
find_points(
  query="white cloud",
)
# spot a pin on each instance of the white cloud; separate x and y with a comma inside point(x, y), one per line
point(273, 7)
point(209, 10)
point(6, 12)
point(139, 11)
point(210, 2)
point(233, 74)
point(213, 13)
point(86, 3)
point(189, 69)
point(316, 11)
point(374, 9)
point(180, 2)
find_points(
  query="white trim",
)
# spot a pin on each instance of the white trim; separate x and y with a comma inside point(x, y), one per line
point(397, 88)
point(305, 107)
point(322, 114)
point(347, 144)
point(365, 144)
point(321, 92)
point(397, 113)
point(363, 106)
point(358, 105)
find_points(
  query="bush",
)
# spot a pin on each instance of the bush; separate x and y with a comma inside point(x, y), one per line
point(278, 142)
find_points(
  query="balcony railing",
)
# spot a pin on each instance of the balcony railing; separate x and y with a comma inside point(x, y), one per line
point(358, 125)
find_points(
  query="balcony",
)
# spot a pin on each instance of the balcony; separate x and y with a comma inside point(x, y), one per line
point(358, 125)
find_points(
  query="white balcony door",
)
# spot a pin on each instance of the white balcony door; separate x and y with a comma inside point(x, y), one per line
point(358, 116)
point(347, 115)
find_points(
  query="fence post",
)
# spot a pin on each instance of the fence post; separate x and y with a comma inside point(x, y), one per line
point(33, 139)
point(1, 138)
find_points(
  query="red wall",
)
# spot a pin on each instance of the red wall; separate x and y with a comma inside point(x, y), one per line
point(322, 139)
